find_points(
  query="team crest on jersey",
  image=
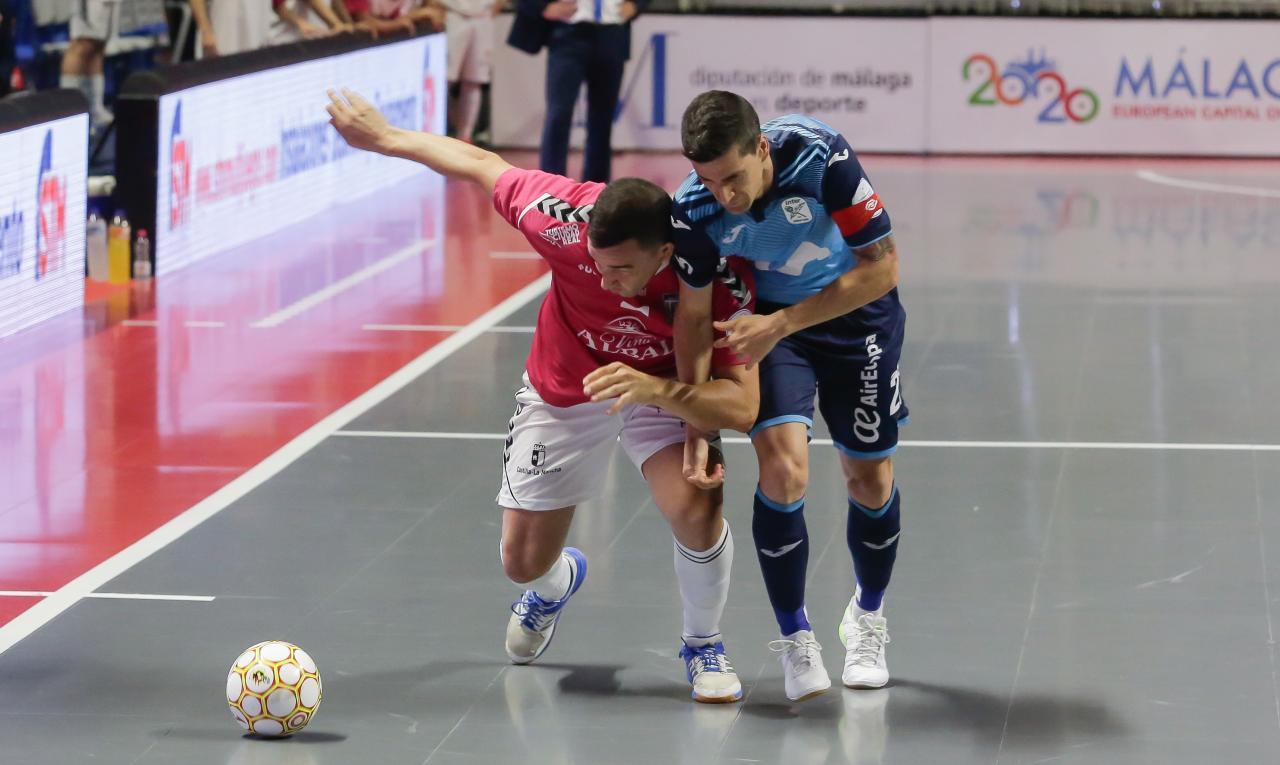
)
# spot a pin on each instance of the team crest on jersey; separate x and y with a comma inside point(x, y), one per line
point(562, 236)
point(539, 455)
point(797, 210)
point(669, 302)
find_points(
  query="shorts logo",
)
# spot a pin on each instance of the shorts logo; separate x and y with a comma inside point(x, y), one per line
point(866, 418)
point(796, 210)
point(539, 455)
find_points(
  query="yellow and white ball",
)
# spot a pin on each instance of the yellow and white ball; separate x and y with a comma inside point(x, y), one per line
point(274, 689)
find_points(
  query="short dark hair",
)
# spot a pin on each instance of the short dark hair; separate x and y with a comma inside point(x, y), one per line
point(717, 121)
point(631, 208)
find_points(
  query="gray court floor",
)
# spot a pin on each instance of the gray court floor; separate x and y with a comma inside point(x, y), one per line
point(1058, 602)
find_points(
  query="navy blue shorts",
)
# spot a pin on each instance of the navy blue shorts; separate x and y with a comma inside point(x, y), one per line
point(851, 364)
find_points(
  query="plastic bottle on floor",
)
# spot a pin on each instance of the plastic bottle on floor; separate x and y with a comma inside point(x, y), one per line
point(142, 256)
point(95, 242)
point(119, 262)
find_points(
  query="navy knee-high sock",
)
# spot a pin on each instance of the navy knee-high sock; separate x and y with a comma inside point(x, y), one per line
point(782, 545)
point(873, 542)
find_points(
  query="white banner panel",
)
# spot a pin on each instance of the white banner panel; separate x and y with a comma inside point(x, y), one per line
point(1104, 87)
point(863, 76)
point(244, 157)
point(43, 177)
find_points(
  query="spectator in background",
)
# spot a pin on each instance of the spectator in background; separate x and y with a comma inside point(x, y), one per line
point(230, 26)
point(93, 23)
point(469, 25)
point(389, 16)
point(8, 59)
point(304, 20)
point(588, 41)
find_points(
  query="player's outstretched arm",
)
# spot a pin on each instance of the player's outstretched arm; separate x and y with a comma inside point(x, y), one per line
point(363, 127)
point(730, 400)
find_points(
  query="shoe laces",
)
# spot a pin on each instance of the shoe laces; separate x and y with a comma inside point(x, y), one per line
point(803, 652)
point(707, 659)
point(535, 613)
point(869, 639)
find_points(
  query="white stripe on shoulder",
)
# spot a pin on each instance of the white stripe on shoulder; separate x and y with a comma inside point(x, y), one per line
point(529, 207)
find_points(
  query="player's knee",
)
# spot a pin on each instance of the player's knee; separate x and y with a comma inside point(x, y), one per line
point(784, 478)
point(870, 482)
point(522, 564)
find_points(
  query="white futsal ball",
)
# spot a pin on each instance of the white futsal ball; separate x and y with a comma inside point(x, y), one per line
point(274, 689)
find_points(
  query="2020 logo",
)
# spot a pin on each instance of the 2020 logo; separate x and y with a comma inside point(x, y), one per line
point(1034, 79)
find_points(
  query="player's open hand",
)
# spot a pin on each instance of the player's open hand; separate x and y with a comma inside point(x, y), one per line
point(703, 463)
point(359, 122)
point(621, 382)
point(751, 337)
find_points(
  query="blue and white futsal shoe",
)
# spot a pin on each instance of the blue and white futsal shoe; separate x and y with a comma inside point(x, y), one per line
point(533, 620)
point(711, 674)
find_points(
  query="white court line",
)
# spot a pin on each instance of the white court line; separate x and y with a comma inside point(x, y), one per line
point(82, 586)
point(346, 283)
point(195, 324)
point(112, 596)
point(439, 328)
point(1221, 188)
point(1102, 445)
point(500, 255)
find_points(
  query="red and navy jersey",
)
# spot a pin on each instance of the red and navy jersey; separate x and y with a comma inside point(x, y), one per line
point(583, 326)
point(801, 233)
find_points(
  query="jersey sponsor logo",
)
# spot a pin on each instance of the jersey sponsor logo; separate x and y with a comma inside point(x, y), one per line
point(838, 157)
point(797, 210)
point(732, 236)
point(628, 325)
point(864, 192)
point(627, 336)
point(563, 236)
point(539, 457)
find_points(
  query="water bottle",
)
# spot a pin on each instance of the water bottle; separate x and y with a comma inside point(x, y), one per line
point(95, 236)
point(119, 262)
point(142, 256)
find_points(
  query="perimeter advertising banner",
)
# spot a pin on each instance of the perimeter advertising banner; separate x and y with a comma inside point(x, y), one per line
point(43, 177)
point(245, 157)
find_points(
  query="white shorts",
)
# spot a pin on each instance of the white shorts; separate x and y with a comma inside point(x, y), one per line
point(559, 456)
point(470, 47)
point(95, 20)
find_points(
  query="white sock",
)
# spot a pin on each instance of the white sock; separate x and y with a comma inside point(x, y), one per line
point(97, 87)
point(704, 588)
point(80, 82)
point(468, 109)
point(554, 584)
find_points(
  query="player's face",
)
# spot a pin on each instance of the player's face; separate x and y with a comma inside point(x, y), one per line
point(736, 178)
point(626, 268)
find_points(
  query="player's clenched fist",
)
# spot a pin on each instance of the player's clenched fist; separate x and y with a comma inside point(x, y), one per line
point(621, 382)
point(358, 122)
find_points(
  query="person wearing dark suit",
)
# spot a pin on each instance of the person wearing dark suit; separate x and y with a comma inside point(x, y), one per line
point(587, 41)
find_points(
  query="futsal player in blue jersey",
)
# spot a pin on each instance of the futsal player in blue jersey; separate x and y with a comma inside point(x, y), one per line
point(791, 197)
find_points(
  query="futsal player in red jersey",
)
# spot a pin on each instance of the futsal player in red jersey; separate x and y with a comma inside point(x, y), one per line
point(602, 369)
